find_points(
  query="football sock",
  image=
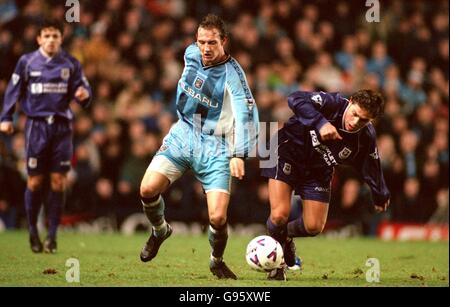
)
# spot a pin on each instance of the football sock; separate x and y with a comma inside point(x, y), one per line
point(55, 205)
point(218, 238)
point(33, 203)
point(278, 232)
point(154, 210)
point(296, 228)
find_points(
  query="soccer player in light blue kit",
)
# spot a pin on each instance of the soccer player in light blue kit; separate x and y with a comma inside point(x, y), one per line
point(217, 128)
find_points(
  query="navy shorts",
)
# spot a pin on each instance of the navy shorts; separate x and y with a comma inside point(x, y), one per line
point(310, 184)
point(48, 146)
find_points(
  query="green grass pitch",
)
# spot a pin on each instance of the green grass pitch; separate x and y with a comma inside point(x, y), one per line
point(113, 260)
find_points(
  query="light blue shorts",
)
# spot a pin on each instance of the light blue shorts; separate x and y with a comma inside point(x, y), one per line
point(183, 149)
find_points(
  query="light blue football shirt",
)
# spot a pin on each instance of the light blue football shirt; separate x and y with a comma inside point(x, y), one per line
point(217, 101)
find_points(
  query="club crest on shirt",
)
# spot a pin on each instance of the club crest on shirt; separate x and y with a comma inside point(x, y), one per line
point(345, 153)
point(65, 73)
point(198, 83)
point(287, 168)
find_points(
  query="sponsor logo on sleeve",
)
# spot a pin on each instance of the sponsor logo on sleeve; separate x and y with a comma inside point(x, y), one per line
point(375, 155)
point(85, 80)
point(317, 99)
point(163, 148)
point(15, 78)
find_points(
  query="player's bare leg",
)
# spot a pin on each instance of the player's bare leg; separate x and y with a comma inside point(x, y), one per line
point(218, 233)
point(33, 201)
point(280, 205)
point(152, 185)
point(312, 221)
point(310, 224)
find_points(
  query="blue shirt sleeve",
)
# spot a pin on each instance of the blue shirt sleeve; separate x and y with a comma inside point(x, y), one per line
point(313, 108)
point(78, 79)
point(15, 90)
point(245, 113)
point(369, 166)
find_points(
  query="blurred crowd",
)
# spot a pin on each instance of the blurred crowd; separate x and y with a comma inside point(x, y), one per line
point(132, 55)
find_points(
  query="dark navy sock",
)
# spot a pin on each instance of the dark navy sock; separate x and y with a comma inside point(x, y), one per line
point(55, 205)
point(278, 232)
point(218, 238)
point(33, 201)
point(296, 228)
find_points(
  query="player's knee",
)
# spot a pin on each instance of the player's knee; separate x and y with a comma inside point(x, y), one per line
point(217, 220)
point(279, 218)
point(58, 183)
point(34, 184)
point(149, 191)
point(314, 228)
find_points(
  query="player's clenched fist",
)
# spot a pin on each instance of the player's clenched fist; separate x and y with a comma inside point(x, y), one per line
point(7, 127)
point(237, 168)
point(81, 93)
point(382, 207)
point(328, 132)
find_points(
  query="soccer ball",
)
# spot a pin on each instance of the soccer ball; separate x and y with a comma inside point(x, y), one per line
point(264, 254)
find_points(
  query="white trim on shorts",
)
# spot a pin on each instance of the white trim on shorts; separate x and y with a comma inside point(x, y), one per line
point(164, 166)
point(217, 190)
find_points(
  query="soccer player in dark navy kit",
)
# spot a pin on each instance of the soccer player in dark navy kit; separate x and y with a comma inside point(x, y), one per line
point(45, 82)
point(326, 130)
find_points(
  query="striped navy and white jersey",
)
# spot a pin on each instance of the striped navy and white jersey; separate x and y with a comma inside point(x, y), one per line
point(217, 101)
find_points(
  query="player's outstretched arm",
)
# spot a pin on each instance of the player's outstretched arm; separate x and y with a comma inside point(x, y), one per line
point(368, 164)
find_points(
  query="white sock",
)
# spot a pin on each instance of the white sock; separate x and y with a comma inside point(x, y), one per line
point(216, 260)
point(161, 229)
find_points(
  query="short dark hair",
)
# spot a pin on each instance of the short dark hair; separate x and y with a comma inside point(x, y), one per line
point(212, 21)
point(371, 101)
point(50, 23)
